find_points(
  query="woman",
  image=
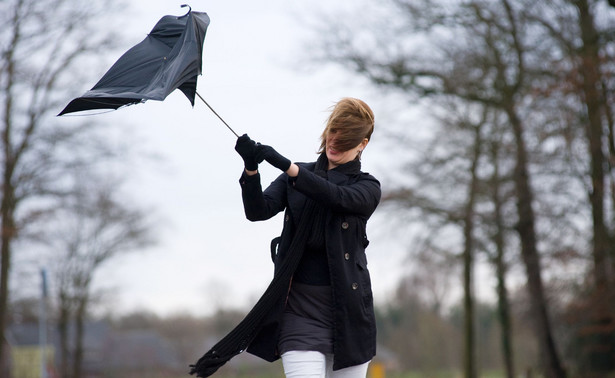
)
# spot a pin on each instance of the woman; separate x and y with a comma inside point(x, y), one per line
point(325, 326)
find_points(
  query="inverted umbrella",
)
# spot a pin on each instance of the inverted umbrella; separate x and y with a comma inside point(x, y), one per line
point(169, 58)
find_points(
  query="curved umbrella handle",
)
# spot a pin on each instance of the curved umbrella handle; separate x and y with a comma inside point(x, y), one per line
point(190, 10)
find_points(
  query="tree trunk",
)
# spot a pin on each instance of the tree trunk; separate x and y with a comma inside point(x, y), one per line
point(500, 268)
point(7, 234)
point(7, 207)
point(527, 233)
point(590, 72)
point(599, 332)
point(79, 336)
point(470, 367)
point(469, 358)
point(63, 324)
point(611, 175)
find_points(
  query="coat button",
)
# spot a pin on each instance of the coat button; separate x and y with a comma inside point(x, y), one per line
point(355, 286)
point(347, 256)
point(286, 218)
point(345, 225)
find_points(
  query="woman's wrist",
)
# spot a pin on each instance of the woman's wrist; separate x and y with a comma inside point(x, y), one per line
point(293, 170)
point(250, 173)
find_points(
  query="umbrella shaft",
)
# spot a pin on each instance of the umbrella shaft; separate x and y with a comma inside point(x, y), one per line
point(217, 115)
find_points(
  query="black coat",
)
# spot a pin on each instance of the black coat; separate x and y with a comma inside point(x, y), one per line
point(351, 196)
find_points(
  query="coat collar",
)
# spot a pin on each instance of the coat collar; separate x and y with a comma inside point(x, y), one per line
point(339, 174)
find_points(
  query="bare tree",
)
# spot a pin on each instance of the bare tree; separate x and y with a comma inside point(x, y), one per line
point(458, 159)
point(582, 32)
point(92, 228)
point(42, 42)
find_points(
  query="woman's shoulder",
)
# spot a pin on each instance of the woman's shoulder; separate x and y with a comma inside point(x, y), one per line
point(368, 177)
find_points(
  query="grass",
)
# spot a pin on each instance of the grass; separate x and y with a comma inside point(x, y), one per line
point(246, 373)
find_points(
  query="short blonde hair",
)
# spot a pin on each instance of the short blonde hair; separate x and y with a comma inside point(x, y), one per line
point(351, 120)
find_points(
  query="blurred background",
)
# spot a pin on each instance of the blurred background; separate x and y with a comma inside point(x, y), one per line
point(124, 248)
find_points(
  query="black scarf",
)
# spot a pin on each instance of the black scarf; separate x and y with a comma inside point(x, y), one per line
point(242, 335)
point(316, 238)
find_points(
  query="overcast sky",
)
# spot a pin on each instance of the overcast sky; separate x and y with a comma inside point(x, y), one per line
point(209, 255)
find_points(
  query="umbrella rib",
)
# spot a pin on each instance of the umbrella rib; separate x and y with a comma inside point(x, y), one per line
point(217, 115)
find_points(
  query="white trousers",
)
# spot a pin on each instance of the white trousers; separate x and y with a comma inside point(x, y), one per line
point(308, 364)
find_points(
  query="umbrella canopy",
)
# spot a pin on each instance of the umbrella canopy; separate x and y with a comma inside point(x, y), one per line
point(168, 58)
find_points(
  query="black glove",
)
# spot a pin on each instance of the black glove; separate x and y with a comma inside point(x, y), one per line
point(246, 147)
point(264, 152)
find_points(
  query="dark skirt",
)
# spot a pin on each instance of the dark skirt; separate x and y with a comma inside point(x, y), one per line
point(308, 322)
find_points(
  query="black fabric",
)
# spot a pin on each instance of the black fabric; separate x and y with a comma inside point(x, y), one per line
point(308, 322)
point(246, 148)
point(169, 58)
point(273, 157)
point(313, 268)
point(316, 240)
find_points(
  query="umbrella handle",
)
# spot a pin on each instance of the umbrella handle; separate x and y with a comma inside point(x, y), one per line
point(217, 115)
point(190, 10)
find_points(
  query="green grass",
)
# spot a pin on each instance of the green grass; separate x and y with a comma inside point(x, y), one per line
point(441, 374)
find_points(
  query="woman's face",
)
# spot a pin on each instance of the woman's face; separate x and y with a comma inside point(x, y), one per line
point(337, 157)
